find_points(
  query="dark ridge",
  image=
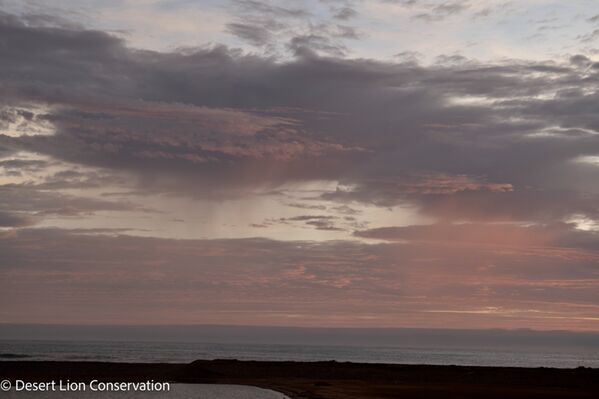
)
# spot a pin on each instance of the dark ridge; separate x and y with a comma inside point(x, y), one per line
point(13, 356)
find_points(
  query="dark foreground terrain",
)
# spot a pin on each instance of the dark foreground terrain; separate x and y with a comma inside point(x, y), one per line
point(332, 379)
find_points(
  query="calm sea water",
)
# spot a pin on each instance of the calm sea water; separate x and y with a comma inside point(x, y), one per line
point(177, 391)
point(175, 352)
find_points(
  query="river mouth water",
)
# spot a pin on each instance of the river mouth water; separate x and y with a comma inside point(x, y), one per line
point(174, 391)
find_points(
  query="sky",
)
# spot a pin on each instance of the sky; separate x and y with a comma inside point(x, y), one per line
point(318, 163)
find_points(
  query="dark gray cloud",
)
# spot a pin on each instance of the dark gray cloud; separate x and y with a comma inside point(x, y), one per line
point(318, 222)
point(265, 8)
point(302, 205)
point(10, 219)
point(325, 225)
point(507, 133)
point(346, 210)
point(308, 44)
point(347, 32)
point(279, 29)
point(344, 13)
point(34, 202)
point(402, 2)
point(589, 37)
point(343, 219)
point(253, 34)
point(412, 57)
point(23, 165)
point(504, 8)
point(443, 10)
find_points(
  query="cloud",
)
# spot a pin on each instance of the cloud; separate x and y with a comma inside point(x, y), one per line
point(520, 205)
point(23, 164)
point(500, 157)
point(309, 44)
point(589, 37)
point(15, 220)
point(60, 275)
point(277, 29)
point(301, 205)
point(344, 13)
point(492, 235)
point(33, 203)
point(447, 138)
point(443, 10)
point(346, 210)
point(261, 7)
point(402, 2)
point(347, 32)
point(318, 222)
point(255, 35)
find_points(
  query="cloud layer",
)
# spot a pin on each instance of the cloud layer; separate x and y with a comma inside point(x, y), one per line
point(499, 158)
point(57, 276)
point(378, 127)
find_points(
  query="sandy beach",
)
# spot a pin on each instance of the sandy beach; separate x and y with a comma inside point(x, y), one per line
point(331, 380)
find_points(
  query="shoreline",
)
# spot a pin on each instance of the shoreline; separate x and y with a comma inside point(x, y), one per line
point(330, 379)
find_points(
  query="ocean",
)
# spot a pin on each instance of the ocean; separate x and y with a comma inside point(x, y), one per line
point(185, 352)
